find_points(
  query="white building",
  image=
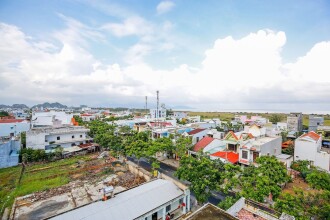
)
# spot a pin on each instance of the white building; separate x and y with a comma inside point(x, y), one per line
point(282, 126)
point(161, 113)
point(87, 117)
point(196, 134)
point(152, 200)
point(309, 147)
point(52, 118)
point(180, 115)
point(50, 137)
point(295, 121)
point(256, 147)
point(13, 127)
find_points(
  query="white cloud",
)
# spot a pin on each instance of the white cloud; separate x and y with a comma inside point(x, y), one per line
point(235, 72)
point(130, 26)
point(164, 7)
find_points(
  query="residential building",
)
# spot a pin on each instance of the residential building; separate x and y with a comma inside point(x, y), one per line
point(180, 115)
point(309, 147)
point(324, 132)
point(48, 138)
point(196, 134)
point(282, 126)
point(250, 150)
point(9, 148)
point(295, 121)
point(20, 114)
point(87, 117)
point(314, 122)
point(216, 134)
point(149, 201)
point(208, 145)
point(286, 159)
point(240, 118)
point(161, 113)
point(52, 118)
point(140, 126)
point(13, 127)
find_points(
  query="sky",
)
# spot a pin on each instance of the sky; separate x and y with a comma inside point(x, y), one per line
point(207, 55)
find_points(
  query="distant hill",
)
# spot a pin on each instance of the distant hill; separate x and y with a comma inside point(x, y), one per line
point(50, 105)
point(20, 106)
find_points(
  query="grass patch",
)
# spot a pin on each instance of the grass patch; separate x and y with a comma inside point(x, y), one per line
point(37, 177)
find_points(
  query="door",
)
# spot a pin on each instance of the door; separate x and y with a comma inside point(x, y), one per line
point(154, 216)
point(255, 156)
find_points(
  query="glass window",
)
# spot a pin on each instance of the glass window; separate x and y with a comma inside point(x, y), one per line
point(72, 136)
point(81, 136)
point(58, 138)
point(244, 154)
point(168, 208)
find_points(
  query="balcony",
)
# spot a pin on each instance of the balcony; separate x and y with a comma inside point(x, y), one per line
point(69, 141)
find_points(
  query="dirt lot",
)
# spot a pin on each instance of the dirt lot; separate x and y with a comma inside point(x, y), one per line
point(298, 182)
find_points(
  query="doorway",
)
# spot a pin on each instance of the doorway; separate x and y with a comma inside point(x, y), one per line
point(154, 216)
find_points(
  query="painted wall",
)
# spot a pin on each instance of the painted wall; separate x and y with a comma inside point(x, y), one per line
point(7, 128)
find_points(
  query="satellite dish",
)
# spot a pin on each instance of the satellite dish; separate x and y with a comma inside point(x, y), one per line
point(162, 105)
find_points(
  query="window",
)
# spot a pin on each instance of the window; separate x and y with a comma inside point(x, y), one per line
point(72, 136)
point(73, 144)
point(181, 201)
point(244, 154)
point(58, 138)
point(168, 208)
point(81, 136)
point(197, 139)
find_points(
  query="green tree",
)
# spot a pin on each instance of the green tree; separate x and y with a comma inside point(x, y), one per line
point(305, 206)
point(3, 114)
point(318, 179)
point(258, 182)
point(274, 118)
point(228, 202)
point(23, 139)
point(202, 173)
point(182, 145)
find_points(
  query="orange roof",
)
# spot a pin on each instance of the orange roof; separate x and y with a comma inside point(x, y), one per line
point(312, 135)
point(228, 155)
point(287, 143)
point(202, 143)
point(11, 120)
point(233, 134)
point(86, 114)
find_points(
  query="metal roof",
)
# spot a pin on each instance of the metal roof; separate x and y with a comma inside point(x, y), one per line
point(129, 204)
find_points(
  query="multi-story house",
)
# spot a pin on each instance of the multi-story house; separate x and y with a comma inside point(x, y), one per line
point(196, 134)
point(48, 138)
point(44, 119)
point(161, 113)
point(324, 132)
point(309, 147)
point(13, 127)
point(294, 121)
point(314, 122)
point(180, 115)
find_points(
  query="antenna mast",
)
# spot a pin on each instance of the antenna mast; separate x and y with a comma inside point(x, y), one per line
point(157, 113)
point(146, 104)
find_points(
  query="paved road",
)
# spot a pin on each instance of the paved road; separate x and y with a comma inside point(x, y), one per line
point(169, 170)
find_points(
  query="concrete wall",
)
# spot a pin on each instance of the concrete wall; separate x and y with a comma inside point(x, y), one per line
point(305, 150)
point(7, 128)
point(322, 160)
point(199, 135)
point(9, 153)
point(35, 141)
point(272, 147)
point(133, 168)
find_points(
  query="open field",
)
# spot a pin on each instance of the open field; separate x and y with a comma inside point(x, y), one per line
point(225, 116)
point(46, 176)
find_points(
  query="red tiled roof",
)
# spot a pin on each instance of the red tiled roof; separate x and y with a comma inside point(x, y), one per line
point(287, 143)
point(160, 124)
point(312, 135)
point(228, 155)
point(196, 131)
point(202, 143)
point(86, 114)
point(11, 120)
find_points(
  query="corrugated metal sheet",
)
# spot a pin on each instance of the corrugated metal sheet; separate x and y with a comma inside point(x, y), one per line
point(129, 204)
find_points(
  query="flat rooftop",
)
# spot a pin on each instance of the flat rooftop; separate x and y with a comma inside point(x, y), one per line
point(128, 205)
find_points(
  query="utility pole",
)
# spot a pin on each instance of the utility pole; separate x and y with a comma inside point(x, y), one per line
point(146, 104)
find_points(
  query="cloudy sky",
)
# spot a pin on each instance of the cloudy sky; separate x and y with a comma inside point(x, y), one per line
point(210, 55)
